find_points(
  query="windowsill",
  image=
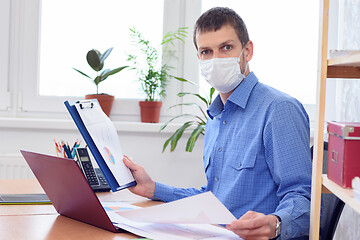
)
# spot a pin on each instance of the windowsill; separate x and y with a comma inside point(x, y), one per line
point(63, 124)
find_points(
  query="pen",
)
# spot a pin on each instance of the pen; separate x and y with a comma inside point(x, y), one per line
point(74, 145)
point(73, 149)
point(67, 145)
point(56, 148)
point(66, 150)
point(73, 153)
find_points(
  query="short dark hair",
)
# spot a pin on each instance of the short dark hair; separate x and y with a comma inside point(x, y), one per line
point(214, 18)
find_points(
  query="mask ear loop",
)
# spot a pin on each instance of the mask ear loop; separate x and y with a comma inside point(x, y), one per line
point(239, 58)
point(245, 69)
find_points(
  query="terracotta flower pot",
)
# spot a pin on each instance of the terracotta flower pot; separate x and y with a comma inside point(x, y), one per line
point(150, 111)
point(105, 101)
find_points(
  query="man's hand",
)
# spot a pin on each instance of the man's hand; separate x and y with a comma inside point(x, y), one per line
point(145, 185)
point(254, 225)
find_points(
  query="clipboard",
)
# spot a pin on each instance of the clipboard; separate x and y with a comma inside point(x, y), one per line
point(108, 174)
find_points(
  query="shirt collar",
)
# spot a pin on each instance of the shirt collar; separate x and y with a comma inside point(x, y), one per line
point(240, 96)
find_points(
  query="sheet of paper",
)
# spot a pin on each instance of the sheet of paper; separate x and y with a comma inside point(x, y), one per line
point(201, 208)
point(117, 206)
point(105, 137)
point(159, 231)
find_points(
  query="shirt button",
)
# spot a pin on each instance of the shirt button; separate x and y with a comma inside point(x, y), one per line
point(220, 149)
point(216, 179)
point(239, 164)
point(224, 122)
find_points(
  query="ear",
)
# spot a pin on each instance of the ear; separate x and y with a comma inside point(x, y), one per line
point(197, 54)
point(249, 50)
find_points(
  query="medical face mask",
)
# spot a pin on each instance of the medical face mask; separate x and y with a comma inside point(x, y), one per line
point(223, 74)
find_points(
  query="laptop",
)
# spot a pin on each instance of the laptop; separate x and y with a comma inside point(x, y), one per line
point(68, 189)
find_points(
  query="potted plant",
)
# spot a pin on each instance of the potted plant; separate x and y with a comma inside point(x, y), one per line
point(96, 61)
point(152, 75)
point(196, 123)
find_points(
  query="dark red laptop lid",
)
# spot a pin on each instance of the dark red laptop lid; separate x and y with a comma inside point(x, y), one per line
point(67, 188)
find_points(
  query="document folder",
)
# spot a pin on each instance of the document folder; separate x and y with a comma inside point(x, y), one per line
point(109, 176)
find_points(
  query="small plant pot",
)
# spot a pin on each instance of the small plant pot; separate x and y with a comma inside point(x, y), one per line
point(105, 101)
point(150, 111)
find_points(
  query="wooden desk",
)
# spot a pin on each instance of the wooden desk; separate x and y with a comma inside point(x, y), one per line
point(35, 222)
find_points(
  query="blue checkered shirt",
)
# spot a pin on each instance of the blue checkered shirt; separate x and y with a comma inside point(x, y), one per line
point(257, 157)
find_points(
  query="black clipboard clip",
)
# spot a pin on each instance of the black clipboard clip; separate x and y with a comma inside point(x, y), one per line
point(85, 104)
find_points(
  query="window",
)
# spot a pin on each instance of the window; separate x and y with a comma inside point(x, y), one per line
point(285, 37)
point(87, 25)
point(4, 53)
point(53, 44)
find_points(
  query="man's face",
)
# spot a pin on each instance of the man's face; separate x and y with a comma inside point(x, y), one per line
point(222, 43)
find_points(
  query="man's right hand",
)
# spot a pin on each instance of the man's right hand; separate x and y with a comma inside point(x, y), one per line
point(145, 186)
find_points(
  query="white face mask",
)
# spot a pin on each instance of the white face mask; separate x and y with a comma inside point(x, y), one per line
point(223, 74)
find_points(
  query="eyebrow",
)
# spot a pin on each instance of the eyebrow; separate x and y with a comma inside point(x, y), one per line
point(221, 44)
point(226, 42)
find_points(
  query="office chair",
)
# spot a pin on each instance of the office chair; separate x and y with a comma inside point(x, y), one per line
point(332, 206)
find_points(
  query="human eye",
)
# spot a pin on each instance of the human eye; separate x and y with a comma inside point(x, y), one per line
point(205, 52)
point(227, 47)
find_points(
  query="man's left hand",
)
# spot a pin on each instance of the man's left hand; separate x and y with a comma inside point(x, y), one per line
point(254, 225)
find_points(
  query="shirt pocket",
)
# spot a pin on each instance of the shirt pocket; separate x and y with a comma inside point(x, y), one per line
point(242, 161)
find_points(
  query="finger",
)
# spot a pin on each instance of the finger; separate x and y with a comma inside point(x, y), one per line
point(126, 156)
point(127, 162)
point(249, 215)
point(258, 233)
point(250, 220)
point(130, 164)
point(257, 238)
point(249, 224)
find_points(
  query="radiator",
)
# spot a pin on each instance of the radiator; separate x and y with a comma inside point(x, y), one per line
point(14, 167)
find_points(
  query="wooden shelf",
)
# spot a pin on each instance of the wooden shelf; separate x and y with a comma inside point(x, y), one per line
point(345, 65)
point(345, 194)
point(340, 64)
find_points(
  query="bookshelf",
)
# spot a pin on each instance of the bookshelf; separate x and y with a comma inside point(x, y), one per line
point(342, 64)
point(345, 194)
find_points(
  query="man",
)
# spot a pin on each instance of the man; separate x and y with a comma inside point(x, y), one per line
point(256, 153)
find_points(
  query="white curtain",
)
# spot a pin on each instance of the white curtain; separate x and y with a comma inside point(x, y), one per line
point(348, 101)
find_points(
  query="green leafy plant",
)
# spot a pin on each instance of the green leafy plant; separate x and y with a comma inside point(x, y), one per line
point(153, 76)
point(196, 124)
point(96, 61)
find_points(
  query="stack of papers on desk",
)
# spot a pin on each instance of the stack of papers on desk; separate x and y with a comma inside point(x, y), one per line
point(188, 218)
point(163, 231)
